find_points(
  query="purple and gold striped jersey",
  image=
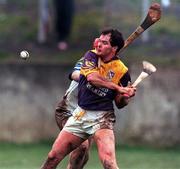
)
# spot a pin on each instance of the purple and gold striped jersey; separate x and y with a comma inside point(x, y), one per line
point(91, 97)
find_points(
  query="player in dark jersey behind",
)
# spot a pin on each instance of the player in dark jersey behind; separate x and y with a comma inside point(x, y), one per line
point(100, 81)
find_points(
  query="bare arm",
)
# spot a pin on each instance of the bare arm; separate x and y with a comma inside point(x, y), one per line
point(75, 75)
point(99, 81)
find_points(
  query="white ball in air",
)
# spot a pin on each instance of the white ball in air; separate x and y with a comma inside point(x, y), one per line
point(24, 54)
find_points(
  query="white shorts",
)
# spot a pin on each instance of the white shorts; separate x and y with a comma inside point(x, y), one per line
point(85, 123)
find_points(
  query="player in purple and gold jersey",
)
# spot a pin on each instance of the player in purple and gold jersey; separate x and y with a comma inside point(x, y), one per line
point(102, 78)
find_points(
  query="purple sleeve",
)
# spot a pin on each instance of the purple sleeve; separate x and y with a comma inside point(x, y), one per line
point(90, 63)
point(125, 79)
point(90, 57)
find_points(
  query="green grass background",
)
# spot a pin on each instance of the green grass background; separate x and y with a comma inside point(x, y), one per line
point(31, 156)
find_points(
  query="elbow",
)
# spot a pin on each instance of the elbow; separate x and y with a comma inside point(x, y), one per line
point(75, 75)
point(120, 106)
point(121, 101)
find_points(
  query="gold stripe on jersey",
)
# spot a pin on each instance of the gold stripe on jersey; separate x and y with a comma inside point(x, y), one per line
point(93, 50)
point(89, 66)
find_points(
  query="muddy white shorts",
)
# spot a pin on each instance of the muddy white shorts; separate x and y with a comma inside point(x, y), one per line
point(85, 123)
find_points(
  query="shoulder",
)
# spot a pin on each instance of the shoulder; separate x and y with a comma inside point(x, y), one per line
point(91, 56)
point(90, 53)
point(122, 67)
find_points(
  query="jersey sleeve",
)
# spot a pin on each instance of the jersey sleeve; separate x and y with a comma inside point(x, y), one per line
point(78, 64)
point(125, 79)
point(77, 67)
point(90, 64)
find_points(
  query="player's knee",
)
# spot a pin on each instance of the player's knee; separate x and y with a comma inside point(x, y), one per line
point(106, 154)
point(52, 154)
point(83, 148)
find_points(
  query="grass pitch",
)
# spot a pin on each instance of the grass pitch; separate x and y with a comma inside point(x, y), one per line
point(31, 156)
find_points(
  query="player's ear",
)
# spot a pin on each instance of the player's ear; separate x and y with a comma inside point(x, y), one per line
point(114, 48)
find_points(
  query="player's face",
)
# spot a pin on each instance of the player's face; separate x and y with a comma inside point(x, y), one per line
point(104, 47)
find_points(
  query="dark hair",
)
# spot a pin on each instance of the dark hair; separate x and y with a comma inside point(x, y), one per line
point(116, 38)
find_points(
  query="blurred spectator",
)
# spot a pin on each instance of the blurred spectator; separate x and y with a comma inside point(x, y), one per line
point(64, 11)
point(165, 3)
